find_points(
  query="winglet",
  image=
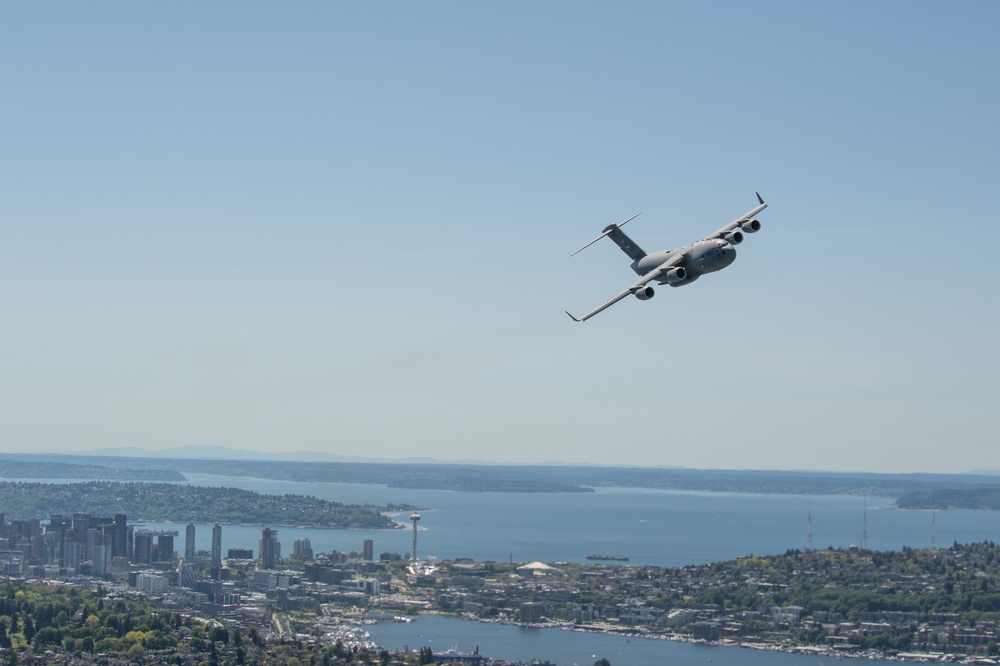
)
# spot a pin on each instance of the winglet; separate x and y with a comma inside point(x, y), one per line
point(572, 317)
point(759, 197)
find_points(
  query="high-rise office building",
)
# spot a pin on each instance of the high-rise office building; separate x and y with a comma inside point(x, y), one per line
point(100, 553)
point(270, 549)
point(302, 548)
point(217, 546)
point(57, 526)
point(119, 540)
point(189, 543)
point(26, 536)
point(142, 552)
point(71, 551)
point(165, 546)
point(369, 550)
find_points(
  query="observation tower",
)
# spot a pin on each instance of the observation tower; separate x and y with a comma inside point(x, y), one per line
point(414, 517)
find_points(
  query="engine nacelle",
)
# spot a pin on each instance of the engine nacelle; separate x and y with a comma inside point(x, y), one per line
point(734, 237)
point(645, 293)
point(675, 276)
point(750, 226)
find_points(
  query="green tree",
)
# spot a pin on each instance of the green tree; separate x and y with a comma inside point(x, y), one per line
point(47, 636)
point(220, 634)
point(255, 638)
point(136, 653)
point(28, 628)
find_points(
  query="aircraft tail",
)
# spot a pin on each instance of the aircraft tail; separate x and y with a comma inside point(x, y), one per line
point(622, 240)
point(615, 233)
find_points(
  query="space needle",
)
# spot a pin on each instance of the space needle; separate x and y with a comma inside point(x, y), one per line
point(414, 517)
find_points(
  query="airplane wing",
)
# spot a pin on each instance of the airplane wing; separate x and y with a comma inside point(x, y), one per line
point(721, 233)
point(643, 281)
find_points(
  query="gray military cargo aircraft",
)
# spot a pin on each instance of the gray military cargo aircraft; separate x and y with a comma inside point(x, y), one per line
point(676, 267)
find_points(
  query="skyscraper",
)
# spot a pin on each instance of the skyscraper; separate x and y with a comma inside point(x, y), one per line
point(58, 526)
point(143, 550)
point(119, 542)
point(369, 550)
point(165, 545)
point(303, 549)
point(100, 553)
point(217, 546)
point(189, 543)
point(270, 549)
point(71, 550)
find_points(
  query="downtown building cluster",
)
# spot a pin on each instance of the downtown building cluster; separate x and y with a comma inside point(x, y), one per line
point(109, 547)
point(243, 583)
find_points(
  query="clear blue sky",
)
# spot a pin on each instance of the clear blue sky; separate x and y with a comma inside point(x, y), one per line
point(346, 227)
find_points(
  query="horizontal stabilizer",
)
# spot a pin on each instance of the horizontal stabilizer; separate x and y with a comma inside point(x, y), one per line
point(606, 232)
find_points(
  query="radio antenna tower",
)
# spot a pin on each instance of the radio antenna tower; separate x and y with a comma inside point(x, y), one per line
point(809, 533)
point(864, 533)
point(934, 530)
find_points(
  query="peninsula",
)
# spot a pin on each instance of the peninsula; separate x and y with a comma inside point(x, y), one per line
point(174, 502)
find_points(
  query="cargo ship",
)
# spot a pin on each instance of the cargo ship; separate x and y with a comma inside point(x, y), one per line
point(605, 557)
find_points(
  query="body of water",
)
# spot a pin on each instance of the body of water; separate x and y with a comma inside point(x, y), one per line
point(565, 648)
point(664, 528)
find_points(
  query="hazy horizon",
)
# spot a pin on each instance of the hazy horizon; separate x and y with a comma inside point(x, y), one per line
point(196, 452)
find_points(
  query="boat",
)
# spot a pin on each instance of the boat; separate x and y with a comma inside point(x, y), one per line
point(606, 557)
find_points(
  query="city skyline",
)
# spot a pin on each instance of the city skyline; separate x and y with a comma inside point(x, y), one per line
point(85, 542)
point(346, 229)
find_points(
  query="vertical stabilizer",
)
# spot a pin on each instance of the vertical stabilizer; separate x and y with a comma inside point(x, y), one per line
point(622, 240)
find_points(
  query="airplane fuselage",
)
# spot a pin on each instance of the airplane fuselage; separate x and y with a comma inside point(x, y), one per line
point(706, 256)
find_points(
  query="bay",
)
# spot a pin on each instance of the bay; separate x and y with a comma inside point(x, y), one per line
point(656, 527)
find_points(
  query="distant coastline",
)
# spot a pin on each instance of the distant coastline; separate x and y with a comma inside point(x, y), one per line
point(914, 491)
point(945, 499)
point(182, 503)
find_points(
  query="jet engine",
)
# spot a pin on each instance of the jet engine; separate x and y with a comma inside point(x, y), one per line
point(734, 237)
point(675, 275)
point(750, 226)
point(645, 293)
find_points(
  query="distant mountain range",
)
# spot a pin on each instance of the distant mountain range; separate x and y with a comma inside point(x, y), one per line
point(209, 452)
point(196, 452)
point(206, 452)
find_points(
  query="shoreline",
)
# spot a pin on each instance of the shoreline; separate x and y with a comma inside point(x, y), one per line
point(817, 650)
